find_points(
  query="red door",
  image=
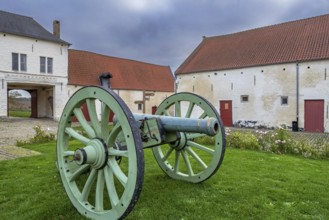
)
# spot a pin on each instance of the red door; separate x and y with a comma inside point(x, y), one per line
point(154, 109)
point(226, 112)
point(314, 115)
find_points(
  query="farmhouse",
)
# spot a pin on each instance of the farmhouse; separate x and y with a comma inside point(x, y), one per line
point(265, 77)
point(33, 59)
point(141, 85)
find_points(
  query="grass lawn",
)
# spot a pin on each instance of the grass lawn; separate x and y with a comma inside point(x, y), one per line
point(22, 114)
point(249, 185)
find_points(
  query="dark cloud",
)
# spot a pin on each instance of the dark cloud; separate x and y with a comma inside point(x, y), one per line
point(164, 32)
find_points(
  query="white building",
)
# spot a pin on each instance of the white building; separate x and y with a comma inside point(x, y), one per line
point(34, 60)
point(40, 62)
point(269, 76)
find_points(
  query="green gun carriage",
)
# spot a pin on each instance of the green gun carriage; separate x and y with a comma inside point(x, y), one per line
point(101, 161)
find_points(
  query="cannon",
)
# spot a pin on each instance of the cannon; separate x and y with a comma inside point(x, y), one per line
point(100, 158)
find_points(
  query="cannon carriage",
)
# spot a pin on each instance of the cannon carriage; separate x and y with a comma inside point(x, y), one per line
point(101, 163)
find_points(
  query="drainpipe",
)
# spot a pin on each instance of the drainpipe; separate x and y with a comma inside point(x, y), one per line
point(297, 92)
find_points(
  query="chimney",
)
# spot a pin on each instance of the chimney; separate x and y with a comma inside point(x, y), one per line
point(57, 28)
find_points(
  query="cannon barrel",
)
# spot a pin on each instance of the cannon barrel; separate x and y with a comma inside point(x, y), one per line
point(207, 126)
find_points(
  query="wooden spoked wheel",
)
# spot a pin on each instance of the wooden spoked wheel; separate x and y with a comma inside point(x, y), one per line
point(102, 178)
point(189, 159)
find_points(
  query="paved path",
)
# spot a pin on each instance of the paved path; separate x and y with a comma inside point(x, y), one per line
point(13, 129)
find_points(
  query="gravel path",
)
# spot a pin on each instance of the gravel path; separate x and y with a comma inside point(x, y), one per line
point(13, 129)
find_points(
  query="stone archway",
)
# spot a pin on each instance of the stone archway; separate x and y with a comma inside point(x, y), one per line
point(18, 103)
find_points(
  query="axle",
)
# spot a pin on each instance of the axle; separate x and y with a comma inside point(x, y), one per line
point(207, 126)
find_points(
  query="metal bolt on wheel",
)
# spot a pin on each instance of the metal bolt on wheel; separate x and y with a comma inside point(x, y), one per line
point(102, 178)
point(187, 159)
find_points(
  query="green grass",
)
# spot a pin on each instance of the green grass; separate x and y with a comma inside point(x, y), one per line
point(249, 185)
point(22, 114)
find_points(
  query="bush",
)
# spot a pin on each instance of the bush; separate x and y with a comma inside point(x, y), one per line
point(40, 136)
point(279, 141)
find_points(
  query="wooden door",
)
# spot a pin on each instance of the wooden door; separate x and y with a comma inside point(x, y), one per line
point(314, 115)
point(226, 112)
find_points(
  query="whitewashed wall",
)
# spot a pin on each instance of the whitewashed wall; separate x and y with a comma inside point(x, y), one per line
point(32, 78)
point(131, 96)
point(264, 85)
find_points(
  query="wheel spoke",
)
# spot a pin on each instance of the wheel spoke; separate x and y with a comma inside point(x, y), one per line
point(191, 136)
point(121, 176)
point(176, 167)
point(187, 162)
point(78, 172)
point(73, 133)
point(189, 110)
point(167, 154)
point(203, 116)
point(177, 109)
point(93, 116)
point(113, 135)
point(201, 147)
point(109, 181)
point(196, 157)
point(68, 153)
point(115, 152)
point(83, 122)
point(166, 113)
point(99, 197)
point(88, 185)
point(105, 121)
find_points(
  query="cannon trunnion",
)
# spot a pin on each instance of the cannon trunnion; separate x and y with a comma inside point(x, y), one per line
point(101, 163)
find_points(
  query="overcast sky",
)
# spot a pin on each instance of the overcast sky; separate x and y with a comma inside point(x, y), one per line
point(162, 32)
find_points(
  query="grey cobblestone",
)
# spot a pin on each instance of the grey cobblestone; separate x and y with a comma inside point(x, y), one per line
point(13, 129)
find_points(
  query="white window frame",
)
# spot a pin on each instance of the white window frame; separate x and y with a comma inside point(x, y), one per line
point(46, 64)
point(19, 62)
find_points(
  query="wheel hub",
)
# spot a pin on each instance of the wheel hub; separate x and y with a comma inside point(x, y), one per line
point(95, 154)
point(181, 143)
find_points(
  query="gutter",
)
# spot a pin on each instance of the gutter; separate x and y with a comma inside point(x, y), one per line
point(297, 93)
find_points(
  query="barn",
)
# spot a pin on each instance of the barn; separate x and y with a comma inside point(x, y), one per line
point(141, 85)
point(265, 77)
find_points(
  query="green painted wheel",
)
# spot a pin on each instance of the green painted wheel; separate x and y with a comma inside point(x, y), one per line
point(190, 159)
point(102, 178)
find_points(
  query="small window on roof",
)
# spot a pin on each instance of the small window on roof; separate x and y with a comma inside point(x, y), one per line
point(284, 100)
point(140, 106)
point(244, 98)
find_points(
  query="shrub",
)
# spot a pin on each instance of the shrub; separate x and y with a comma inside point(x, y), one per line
point(278, 141)
point(40, 136)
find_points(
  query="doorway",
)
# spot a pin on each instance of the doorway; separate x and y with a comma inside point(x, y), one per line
point(225, 107)
point(314, 115)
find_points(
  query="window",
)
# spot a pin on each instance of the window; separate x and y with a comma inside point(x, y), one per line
point(42, 64)
point(46, 65)
point(244, 98)
point(14, 61)
point(19, 62)
point(140, 106)
point(23, 62)
point(50, 65)
point(284, 100)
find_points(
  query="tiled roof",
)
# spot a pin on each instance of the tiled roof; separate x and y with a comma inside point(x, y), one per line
point(300, 40)
point(25, 26)
point(85, 67)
